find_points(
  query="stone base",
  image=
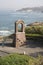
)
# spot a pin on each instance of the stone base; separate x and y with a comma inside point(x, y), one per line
point(19, 39)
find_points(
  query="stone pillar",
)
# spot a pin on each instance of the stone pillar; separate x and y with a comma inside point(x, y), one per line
point(19, 38)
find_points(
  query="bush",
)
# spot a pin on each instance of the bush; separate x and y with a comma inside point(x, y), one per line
point(20, 59)
point(34, 30)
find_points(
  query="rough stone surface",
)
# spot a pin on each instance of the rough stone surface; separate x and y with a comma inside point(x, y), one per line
point(19, 38)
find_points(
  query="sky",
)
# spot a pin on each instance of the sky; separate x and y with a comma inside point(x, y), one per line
point(18, 4)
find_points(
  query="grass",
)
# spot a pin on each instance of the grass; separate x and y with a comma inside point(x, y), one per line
point(33, 35)
point(20, 59)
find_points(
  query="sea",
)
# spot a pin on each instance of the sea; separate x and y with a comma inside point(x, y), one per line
point(8, 18)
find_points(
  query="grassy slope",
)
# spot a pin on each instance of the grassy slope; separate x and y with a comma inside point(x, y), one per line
point(19, 59)
point(34, 31)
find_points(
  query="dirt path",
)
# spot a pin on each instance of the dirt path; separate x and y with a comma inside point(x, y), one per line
point(32, 49)
point(29, 51)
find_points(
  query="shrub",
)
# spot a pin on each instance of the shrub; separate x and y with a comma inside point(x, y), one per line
point(20, 59)
point(34, 30)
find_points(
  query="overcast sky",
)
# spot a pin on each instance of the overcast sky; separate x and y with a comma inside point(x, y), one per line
point(18, 4)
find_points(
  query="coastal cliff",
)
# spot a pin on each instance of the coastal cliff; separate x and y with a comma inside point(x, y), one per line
point(29, 9)
point(36, 24)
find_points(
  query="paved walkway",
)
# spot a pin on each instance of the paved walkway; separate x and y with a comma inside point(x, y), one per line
point(32, 49)
point(29, 51)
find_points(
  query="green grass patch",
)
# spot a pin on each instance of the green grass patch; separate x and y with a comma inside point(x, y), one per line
point(34, 35)
point(20, 59)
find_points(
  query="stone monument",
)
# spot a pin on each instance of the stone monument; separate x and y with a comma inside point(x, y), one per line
point(19, 37)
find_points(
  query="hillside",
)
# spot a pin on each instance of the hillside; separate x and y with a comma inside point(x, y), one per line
point(36, 24)
point(38, 9)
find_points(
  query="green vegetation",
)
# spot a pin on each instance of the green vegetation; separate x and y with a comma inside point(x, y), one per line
point(33, 35)
point(20, 59)
point(34, 30)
